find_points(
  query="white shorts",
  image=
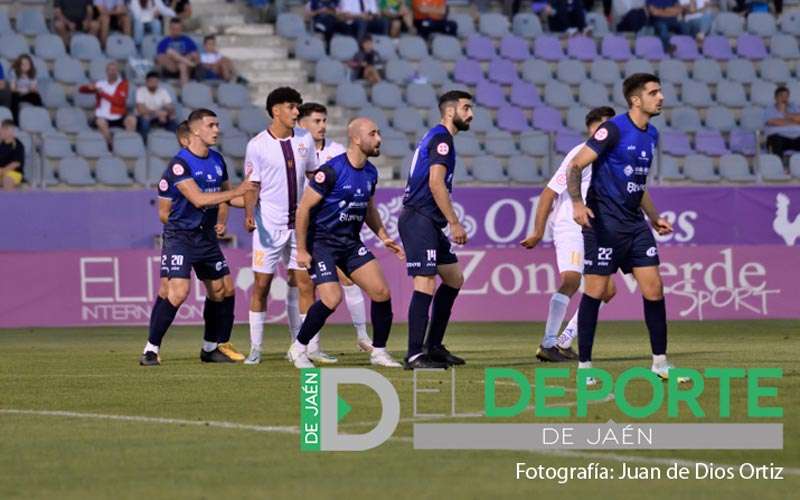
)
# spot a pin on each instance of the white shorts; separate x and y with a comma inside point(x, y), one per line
point(282, 248)
point(569, 251)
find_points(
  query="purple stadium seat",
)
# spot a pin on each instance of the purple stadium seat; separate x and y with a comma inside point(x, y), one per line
point(616, 48)
point(512, 119)
point(582, 48)
point(514, 48)
point(468, 71)
point(685, 48)
point(566, 140)
point(525, 95)
point(710, 142)
point(742, 141)
point(548, 47)
point(547, 119)
point(751, 46)
point(489, 94)
point(650, 48)
point(480, 48)
point(676, 143)
point(717, 47)
point(502, 71)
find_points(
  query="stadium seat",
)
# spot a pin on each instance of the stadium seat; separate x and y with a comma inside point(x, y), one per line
point(461, 174)
point(69, 71)
point(710, 142)
point(525, 95)
point(489, 94)
point(290, 25)
point(637, 66)
point(742, 141)
point(514, 48)
point(547, 119)
point(49, 47)
point(493, 24)
point(97, 70)
point(717, 47)
point(526, 25)
point(728, 24)
point(149, 45)
point(512, 119)
point(306, 48)
point(163, 143)
point(605, 72)
point(433, 71)
point(480, 48)
point(467, 144)
point(784, 46)
point(576, 117)
point(446, 48)
point(52, 95)
point(524, 170)
point(233, 95)
point(762, 93)
point(615, 47)
point(650, 48)
point(693, 94)
point(85, 47)
point(761, 24)
point(581, 48)
point(536, 71)
point(534, 143)
point(405, 165)
point(74, 171)
point(235, 145)
point(395, 148)
point(720, 118)
point(400, 71)
point(120, 47)
point(412, 48)
point(734, 168)
point(673, 70)
point(707, 71)
point(56, 145)
point(377, 115)
point(351, 95)
point(731, 94)
point(571, 71)
point(128, 145)
point(775, 70)
point(35, 120)
point(5, 113)
point(488, 169)
point(794, 165)
point(84, 101)
point(387, 95)
point(148, 170)
point(408, 120)
point(71, 120)
point(343, 48)
point(502, 71)
point(684, 48)
point(31, 22)
point(332, 72)
point(598, 23)
point(751, 47)
point(91, 144)
point(669, 169)
point(465, 24)
point(482, 121)
point(196, 95)
point(548, 48)
point(771, 168)
point(12, 45)
point(675, 142)
point(790, 22)
point(592, 94)
point(421, 95)
point(42, 70)
point(558, 94)
point(385, 47)
point(112, 171)
point(566, 140)
point(5, 23)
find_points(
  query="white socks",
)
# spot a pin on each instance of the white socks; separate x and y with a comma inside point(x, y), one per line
point(659, 360)
point(150, 348)
point(555, 315)
point(570, 333)
point(209, 346)
point(257, 320)
point(293, 316)
point(313, 344)
point(358, 312)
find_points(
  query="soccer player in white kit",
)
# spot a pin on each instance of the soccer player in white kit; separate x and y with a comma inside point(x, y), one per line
point(314, 118)
point(278, 160)
point(568, 240)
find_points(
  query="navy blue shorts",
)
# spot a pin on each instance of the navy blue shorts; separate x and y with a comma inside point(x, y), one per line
point(425, 244)
point(182, 251)
point(605, 251)
point(325, 258)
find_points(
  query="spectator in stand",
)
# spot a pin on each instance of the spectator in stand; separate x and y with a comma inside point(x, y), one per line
point(214, 65)
point(359, 17)
point(698, 16)
point(5, 92)
point(12, 156)
point(510, 7)
point(112, 15)
point(748, 6)
point(588, 6)
point(665, 18)
point(323, 18)
point(145, 14)
point(367, 64)
point(630, 15)
point(70, 16)
point(154, 106)
point(176, 54)
point(430, 16)
point(112, 100)
point(183, 8)
point(399, 15)
point(23, 85)
point(568, 15)
point(782, 124)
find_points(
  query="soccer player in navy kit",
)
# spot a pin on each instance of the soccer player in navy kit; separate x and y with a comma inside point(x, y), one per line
point(615, 234)
point(427, 209)
point(334, 207)
point(197, 181)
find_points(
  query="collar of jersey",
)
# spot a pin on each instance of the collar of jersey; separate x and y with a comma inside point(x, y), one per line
point(196, 156)
point(281, 140)
point(634, 123)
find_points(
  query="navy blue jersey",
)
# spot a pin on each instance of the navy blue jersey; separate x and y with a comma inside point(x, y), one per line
point(346, 192)
point(209, 173)
point(619, 175)
point(435, 148)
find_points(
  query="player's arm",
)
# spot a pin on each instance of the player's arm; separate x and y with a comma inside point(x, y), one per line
point(222, 213)
point(164, 207)
point(374, 222)
point(199, 199)
point(309, 200)
point(540, 220)
point(252, 173)
point(604, 139)
point(660, 224)
point(442, 198)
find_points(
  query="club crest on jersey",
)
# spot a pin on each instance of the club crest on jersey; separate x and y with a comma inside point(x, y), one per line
point(319, 177)
point(601, 134)
point(177, 169)
point(218, 169)
point(302, 150)
point(442, 148)
point(163, 185)
point(628, 170)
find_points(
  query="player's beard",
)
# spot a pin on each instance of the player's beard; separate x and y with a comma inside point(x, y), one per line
point(461, 125)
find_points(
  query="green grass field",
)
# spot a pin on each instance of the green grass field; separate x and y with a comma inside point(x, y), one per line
point(250, 447)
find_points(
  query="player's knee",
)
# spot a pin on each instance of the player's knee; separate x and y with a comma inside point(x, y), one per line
point(653, 290)
point(331, 297)
point(570, 282)
point(178, 293)
point(228, 290)
point(380, 294)
point(456, 280)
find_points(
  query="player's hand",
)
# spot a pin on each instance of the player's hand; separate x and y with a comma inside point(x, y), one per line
point(250, 223)
point(220, 228)
point(531, 241)
point(581, 214)
point(458, 234)
point(662, 226)
point(245, 187)
point(393, 247)
point(303, 259)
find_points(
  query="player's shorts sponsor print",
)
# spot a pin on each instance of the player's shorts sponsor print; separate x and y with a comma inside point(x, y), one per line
point(326, 258)
point(274, 246)
point(426, 245)
point(605, 252)
point(183, 251)
point(569, 252)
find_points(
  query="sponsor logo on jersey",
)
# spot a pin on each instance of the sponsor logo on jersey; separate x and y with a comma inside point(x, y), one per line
point(442, 148)
point(362, 251)
point(651, 252)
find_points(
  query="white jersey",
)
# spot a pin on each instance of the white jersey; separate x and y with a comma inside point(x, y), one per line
point(561, 219)
point(280, 166)
point(330, 149)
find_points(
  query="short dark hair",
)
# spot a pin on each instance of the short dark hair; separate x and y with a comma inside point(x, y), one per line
point(306, 109)
point(781, 88)
point(152, 74)
point(635, 83)
point(175, 20)
point(182, 129)
point(453, 96)
point(209, 37)
point(597, 114)
point(199, 114)
point(7, 123)
point(282, 95)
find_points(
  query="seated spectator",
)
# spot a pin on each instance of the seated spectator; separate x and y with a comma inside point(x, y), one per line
point(399, 16)
point(154, 106)
point(698, 16)
point(112, 100)
point(70, 16)
point(112, 15)
point(12, 156)
point(23, 85)
point(568, 15)
point(430, 16)
point(323, 18)
point(145, 14)
point(358, 17)
point(184, 10)
point(367, 64)
point(176, 54)
point(5, 92)
point(214, 65)
point(782, 124)
point(630, 15)
point(665, 18)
